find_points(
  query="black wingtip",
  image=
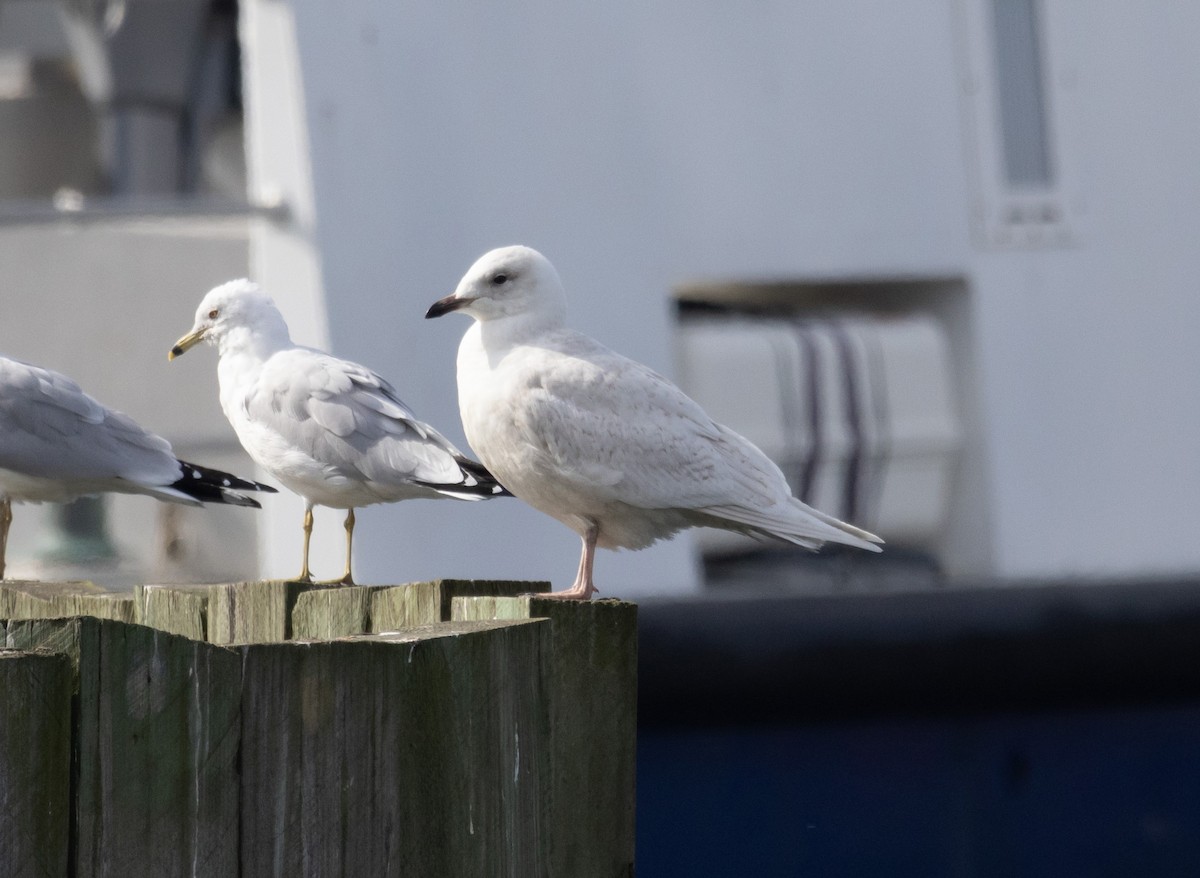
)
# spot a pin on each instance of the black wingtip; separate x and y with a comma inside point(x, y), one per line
point(486, 481)
point(229, 498)
point(477, 483)
point(216, 486)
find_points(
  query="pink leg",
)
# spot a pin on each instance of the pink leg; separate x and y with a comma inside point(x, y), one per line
point(583, 588)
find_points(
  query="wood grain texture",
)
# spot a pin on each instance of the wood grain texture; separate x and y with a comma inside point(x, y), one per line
point(590, 682)
point(47, 635)
point(158, 741)
point(497, 744)
point(35, 761)
point(176, 609)
point(328, 613)
point(424, 603)
point(253, 612)
point(53, 600)
point(411, 754)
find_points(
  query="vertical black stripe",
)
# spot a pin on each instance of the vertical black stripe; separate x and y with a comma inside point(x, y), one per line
point(853, 476)
point(881, 449)
point(807, 475)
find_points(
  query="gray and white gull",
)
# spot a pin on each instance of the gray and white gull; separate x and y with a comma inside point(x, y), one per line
point(330, 430)
point(57, 443)
point(605, 445)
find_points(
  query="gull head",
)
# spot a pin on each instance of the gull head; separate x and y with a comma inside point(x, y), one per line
point(232, 314)
point(507, 282)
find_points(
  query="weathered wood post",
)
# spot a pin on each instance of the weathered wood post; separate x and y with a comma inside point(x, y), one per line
point(35, 761)
point(380, 738)
point(591, 694)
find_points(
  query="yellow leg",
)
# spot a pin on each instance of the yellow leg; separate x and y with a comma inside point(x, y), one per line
point(347, 579)
point(5, 521)
point(305, 576)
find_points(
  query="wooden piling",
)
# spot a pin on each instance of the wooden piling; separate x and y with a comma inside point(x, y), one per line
point(424, 603)
point(326, 613)
point(48, 600)
point(500, 743)
point(175, 609)
point(35, 761)
point(590, 681)
point(408, 754)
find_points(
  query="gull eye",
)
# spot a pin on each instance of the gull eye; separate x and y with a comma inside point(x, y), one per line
point(499, 279)
point(212, 315)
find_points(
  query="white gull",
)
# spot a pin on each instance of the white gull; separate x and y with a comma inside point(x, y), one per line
point(330, 430)
point(608, 447)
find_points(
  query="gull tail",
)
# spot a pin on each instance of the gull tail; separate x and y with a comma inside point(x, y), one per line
point(796, 522)
point(477, 483)
point(214, 486)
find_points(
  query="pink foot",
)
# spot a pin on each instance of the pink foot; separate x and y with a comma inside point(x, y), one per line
point(574, 593)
